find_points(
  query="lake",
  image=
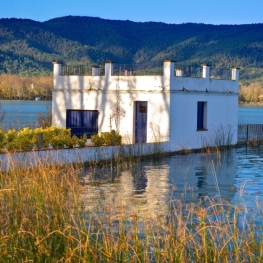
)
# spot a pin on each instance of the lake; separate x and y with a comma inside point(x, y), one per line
point(22, 113)
point(250, 114)
point(233, 175)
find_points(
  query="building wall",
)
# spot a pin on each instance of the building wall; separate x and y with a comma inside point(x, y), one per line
point(221, 97)
point(221, 120)
point(172, 105)
point(104, 94)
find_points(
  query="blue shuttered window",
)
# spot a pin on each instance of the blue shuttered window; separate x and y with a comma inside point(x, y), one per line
point(201, 115)
point(82, 122)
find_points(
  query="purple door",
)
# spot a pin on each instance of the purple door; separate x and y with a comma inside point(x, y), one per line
point(141, 121)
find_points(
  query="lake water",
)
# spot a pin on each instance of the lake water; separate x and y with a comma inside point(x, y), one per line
point(234, 175)
point(21, 113)
point(250, 115)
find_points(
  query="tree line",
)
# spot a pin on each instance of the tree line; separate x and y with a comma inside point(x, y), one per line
point(25, 88)
point(28, 88)
point(252, 93)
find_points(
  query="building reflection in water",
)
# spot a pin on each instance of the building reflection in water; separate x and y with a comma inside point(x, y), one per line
point(201, 173)
point(146, 188)
point(142, 190)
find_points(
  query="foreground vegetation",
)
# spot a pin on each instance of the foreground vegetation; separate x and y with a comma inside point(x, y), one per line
point(43, 219)
point(40, 138)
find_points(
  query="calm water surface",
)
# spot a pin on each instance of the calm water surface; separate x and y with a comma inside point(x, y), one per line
point(235, 175)
point(21, 113)
point(250, 114)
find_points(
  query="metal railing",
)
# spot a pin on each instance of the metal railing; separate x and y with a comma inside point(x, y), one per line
point(216, 73)
point(188, 71)
point(250, 132)
point(80, 70)
point(139, 69)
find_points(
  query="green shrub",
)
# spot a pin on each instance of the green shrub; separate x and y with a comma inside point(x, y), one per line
point(2, 140)
point(56, 137)
point(97, 140)
point(22, 140)
point(11, 146)
point(60, 138)
point(11, 135)
point(106, 138)
point(27, 138)
point(82, 141)
point(111, 139)
point(74, 141)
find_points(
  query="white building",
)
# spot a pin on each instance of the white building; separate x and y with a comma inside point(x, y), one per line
point(187, 112)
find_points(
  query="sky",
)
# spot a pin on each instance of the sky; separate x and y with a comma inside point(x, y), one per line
point(167, 11)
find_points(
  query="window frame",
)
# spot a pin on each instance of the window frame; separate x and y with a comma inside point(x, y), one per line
point(201, 116)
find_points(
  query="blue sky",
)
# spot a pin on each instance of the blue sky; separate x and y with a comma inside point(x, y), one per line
point(167, 11)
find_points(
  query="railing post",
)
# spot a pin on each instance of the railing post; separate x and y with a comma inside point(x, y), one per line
point(247, 132)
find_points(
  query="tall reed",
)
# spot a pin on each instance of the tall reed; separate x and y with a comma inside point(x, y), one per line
point(43, 219)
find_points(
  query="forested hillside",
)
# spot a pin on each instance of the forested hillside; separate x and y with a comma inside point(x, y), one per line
point(27, 47)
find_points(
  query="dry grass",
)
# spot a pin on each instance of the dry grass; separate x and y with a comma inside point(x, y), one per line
point(43, 219)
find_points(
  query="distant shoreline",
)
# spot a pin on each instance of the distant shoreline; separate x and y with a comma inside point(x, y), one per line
point(250, 104)
point(22, 100)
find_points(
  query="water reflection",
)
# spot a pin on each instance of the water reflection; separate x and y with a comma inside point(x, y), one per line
point(201, 174)
point(142, 190)
point(147, 187)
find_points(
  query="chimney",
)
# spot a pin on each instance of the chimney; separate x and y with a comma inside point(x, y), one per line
point(127, 72)
point(168, 67)
point(206, 71)
point(235, 74)
point(179, 72)
point(109, 69)
point(95, 70)
point(57, 68)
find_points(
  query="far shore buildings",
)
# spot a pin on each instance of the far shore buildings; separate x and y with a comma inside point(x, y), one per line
point(187, 110)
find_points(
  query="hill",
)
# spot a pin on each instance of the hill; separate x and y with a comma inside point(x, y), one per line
point(27, 47)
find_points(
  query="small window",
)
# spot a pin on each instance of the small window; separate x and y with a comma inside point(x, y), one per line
point(201, 115)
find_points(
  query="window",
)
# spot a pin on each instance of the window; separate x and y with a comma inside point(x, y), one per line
point(82, 122)
point(201, 115)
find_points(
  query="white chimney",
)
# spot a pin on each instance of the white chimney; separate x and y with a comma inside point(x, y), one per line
point(109, 69)
point(179, 72)
point(95, 70)
point(206, 71)
point(235, 74)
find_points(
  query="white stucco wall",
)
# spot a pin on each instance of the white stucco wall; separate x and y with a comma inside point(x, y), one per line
point(171, 113)
point(105, 101)
point(221, 120)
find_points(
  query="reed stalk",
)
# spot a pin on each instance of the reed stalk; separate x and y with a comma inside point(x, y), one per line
point(43, 219)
